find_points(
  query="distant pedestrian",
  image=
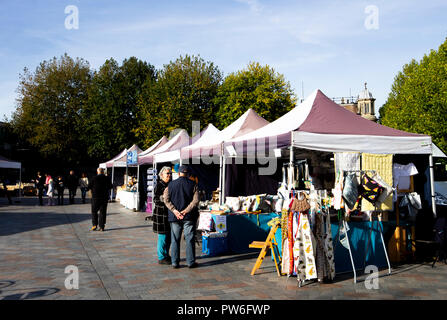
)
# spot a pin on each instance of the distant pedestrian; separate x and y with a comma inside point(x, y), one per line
point(160, 217)
point(5, 183)
point(83, 184)
point(40, 186)
point(50, 192)
point(100, 186)
point(72, 185)
point(60, 188)
point(181, 197)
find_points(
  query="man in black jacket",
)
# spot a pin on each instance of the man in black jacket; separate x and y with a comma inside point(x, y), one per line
point(100, 186)
point(40, 185)
point(181, 197)
point(72, 185)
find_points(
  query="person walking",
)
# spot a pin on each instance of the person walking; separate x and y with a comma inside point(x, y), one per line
point(83, 184)
point(100, 186)
point(72, 185)
point(60, 188)
point(50, 192)
point(181, 197)
point(5, 183)
point(40, 186)
point(160, 220)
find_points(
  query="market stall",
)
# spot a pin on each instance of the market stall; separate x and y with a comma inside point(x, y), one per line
point(308, 140)
point(128, 190)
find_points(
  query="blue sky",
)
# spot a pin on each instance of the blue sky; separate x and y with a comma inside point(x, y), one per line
point(323, 44)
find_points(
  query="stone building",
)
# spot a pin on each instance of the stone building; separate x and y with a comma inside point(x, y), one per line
point(363, 104)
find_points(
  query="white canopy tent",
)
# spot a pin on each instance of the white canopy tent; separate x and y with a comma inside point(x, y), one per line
point(320, 124)
point(9, 164)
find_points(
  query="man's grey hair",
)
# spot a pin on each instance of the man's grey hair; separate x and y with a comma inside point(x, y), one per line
point(100, 170)
point(165, 168)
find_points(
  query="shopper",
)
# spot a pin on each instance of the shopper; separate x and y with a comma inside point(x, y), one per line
point(50, 192)
point(72, 185)
point(100, 186)
point(181, 198)
point(5, 183)
point(60, 188)
point(160, 217)
point(83, 184)
point(40, 186)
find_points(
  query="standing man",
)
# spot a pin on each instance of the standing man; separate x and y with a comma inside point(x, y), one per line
point(40, 185)
point(100, 186)
point(72, 185)
point(60, 190)
point(181, 197)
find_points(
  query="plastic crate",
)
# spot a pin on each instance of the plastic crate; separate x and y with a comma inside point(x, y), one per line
point(213, 246)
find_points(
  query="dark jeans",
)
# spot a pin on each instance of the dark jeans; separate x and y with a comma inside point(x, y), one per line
point(72, 194)
point(40, 194)
point(60, 196)
point(176, 234)
point(101, 206)
point(83, 194)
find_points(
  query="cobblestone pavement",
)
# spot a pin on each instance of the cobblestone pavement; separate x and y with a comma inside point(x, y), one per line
point(37, 243)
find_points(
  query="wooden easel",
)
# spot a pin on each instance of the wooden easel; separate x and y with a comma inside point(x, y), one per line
point(270, 243)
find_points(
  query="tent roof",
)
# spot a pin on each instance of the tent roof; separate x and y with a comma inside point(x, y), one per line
point(122, 161)
point(163, 140)
point(7, 163)
point(245, 124)
point(181, 139)
point(318, 119)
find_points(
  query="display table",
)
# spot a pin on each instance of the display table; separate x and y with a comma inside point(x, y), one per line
point(129, 200)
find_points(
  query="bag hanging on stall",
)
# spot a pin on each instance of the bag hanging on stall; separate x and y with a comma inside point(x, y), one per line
point(370, 189)
point(301, 204)
point(350, 190)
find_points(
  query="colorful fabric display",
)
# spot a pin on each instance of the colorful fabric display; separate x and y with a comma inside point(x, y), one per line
point(382, 164)
point(325, 251)
point(234, 203)
point(303, 250)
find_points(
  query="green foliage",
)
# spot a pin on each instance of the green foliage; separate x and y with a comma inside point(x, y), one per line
point(110, 113)
point(49, 105)
point(184, 92)
point(418, 98)
point(257, 87)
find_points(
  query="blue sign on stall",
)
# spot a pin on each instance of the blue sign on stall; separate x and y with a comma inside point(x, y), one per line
point(132, 157)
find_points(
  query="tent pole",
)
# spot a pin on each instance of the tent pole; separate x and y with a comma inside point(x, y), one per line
point(291, 158)
point(20, 183)
point(113, 175)
point(222, 200)
point(138, 187)
point(220, 174)
point(432, 185)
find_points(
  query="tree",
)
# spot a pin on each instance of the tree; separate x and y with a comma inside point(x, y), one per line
point(110, 114)
point(49, 105)
point(418, 98)
point(257, 87)
point(184, 92)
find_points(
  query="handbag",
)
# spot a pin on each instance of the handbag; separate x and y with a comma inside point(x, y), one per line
point(371, 189)
point(302, 204)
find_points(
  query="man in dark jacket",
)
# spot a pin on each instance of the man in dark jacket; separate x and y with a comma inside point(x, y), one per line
point(100, 186)
point(181, 197)
point(40, 185)
point(72, 185)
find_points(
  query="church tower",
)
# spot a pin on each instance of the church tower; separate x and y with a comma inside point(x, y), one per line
point(365, 105)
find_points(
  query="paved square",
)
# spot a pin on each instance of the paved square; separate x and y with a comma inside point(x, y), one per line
point(38, 243)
